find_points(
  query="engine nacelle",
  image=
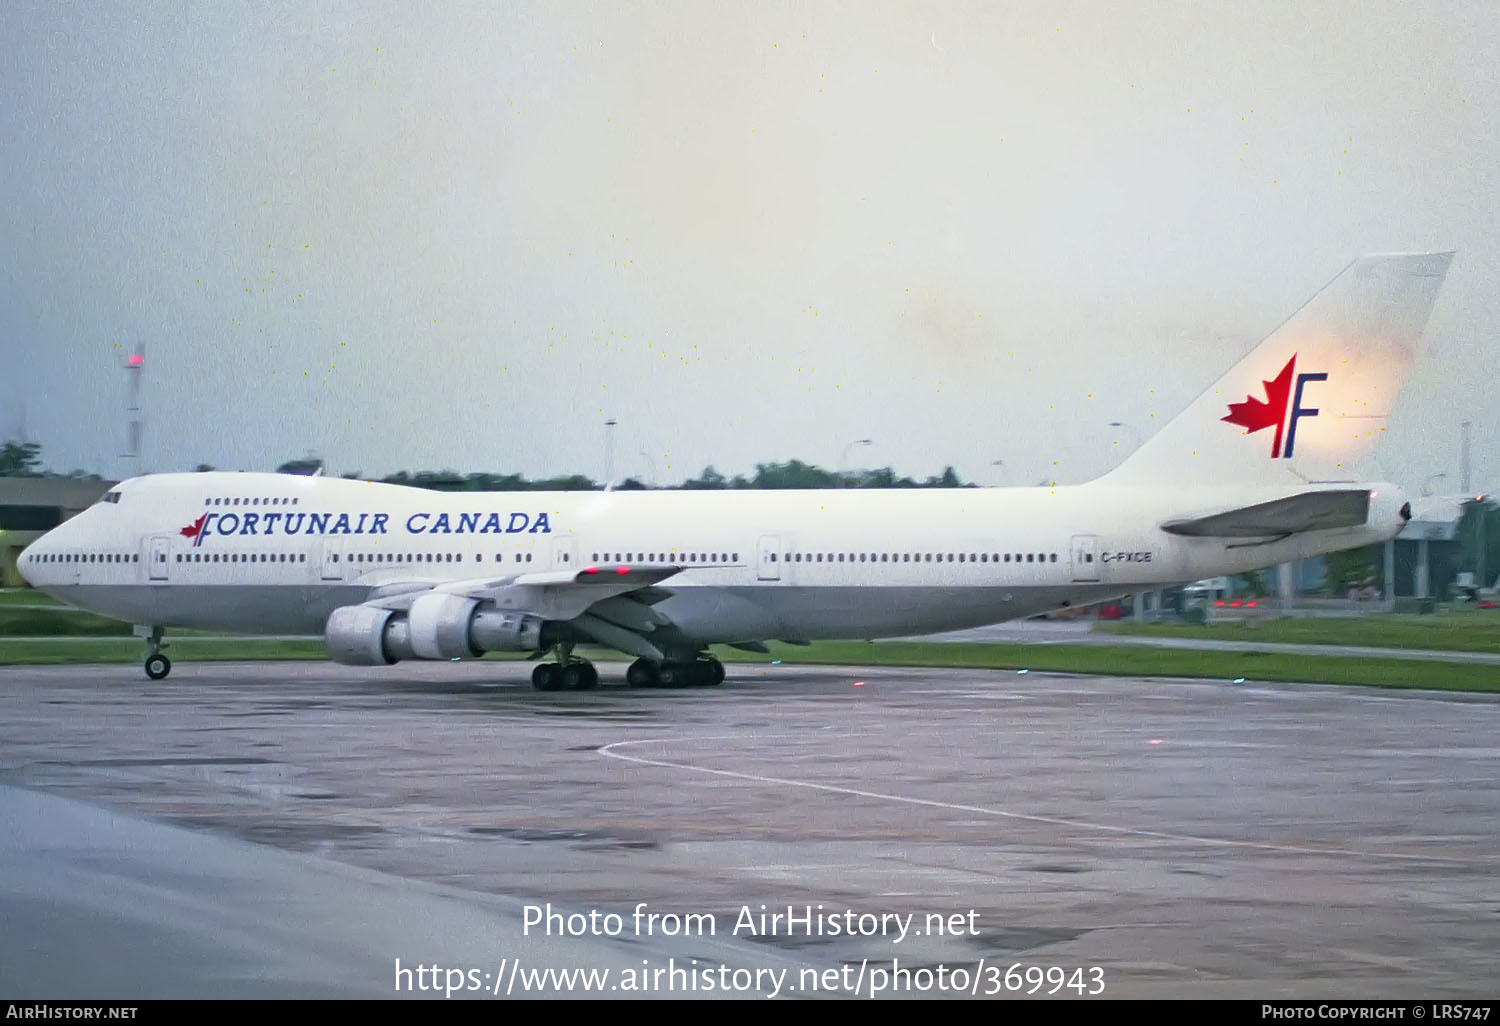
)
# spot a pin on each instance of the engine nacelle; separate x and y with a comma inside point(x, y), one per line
point(355, 635)
point(494, 631)
point(438, 626)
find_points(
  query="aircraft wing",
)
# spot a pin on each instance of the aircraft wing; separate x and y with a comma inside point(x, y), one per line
point(613, 605)
point(1310, 511)
point(552, 595)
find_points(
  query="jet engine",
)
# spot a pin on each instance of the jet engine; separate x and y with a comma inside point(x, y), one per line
point(437, 626)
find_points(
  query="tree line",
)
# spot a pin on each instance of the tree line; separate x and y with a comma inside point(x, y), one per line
point(24, 459)
point(792, 474)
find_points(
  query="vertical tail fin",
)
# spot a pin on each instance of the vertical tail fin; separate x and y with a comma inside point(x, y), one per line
point(1309, 403)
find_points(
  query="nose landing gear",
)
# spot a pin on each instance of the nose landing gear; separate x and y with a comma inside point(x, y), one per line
point(157, 665)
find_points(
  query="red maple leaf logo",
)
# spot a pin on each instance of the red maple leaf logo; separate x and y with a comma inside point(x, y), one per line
point(192, 530)
point(1253, 415)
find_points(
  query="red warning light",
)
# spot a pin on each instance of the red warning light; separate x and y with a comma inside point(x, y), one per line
point(622, 569)
point(136, 359)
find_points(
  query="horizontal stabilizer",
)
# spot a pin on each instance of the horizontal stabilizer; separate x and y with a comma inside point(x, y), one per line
point(1310, 511)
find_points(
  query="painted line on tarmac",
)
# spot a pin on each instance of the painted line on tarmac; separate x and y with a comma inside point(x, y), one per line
point(610, 751)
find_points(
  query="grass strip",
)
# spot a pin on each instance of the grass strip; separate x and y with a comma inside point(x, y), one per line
point(1472, 631)
point(1085, 659)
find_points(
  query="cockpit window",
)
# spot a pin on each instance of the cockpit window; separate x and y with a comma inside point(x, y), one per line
point(112, 497)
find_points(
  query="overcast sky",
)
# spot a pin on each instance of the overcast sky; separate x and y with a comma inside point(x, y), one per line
point(412, 236)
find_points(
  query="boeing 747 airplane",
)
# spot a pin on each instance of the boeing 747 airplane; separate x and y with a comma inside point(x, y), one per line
point(1264, 467)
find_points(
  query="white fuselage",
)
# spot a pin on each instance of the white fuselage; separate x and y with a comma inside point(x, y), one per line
point(266, 553)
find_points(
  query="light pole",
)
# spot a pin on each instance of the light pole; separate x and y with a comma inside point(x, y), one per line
point(844, 459)
point(609, 453)
point(999, 466)
point(651, 462)
point(1463, 455)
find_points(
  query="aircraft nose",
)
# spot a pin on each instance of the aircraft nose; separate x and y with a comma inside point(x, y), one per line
point(23, 561)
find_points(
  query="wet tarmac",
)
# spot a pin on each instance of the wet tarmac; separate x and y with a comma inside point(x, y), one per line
point(1184, 839)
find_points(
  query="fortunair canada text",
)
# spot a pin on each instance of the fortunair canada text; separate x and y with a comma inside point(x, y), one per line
point(262, 525)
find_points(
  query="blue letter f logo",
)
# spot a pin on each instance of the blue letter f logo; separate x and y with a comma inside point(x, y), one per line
point(1298, 410)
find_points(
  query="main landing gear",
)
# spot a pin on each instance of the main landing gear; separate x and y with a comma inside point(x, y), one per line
point(157, 665)
point(704, 672)
point(566, 674)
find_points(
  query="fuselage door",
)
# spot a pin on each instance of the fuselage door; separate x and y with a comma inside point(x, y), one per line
point(563, 555)
point(333, 564)
point(157, 558)
point(769, 566)
point(1085, 556)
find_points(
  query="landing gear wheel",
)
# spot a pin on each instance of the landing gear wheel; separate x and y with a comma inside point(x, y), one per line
point(547, 677)
point(714, 673)
point(158, 666)
point(641, 674)
point(579, 677)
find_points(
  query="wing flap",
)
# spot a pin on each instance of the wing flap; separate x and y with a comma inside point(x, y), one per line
point(552, 595)
point(1309, 511)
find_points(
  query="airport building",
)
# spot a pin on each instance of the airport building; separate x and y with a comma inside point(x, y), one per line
point(1422, 558)
point(32, 506)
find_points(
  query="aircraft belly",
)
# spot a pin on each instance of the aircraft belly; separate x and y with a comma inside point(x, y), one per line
point(809, 613)
point(249, 609)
